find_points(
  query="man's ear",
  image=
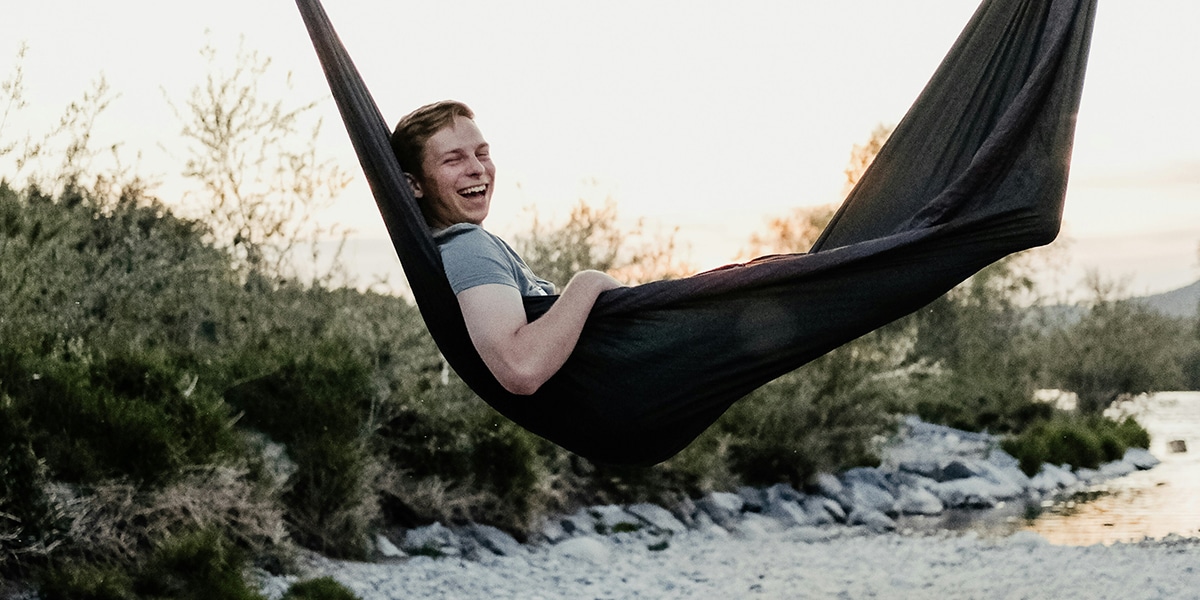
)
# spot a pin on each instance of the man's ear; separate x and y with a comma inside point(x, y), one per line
point(415, 185)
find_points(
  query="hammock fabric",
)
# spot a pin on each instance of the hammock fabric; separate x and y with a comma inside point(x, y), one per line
point(975, 171)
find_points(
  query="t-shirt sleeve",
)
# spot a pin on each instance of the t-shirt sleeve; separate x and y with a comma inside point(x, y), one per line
point(472, 259)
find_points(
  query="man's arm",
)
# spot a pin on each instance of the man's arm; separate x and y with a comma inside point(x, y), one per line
point(523, 355)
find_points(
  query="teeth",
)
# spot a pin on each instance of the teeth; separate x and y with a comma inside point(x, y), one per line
point(479, 189)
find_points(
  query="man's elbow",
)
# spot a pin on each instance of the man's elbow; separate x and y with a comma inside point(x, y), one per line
point(520, 383)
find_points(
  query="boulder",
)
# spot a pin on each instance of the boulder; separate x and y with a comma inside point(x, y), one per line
point(1044, 483)
point(823, 511)
point(961, 469)
point(551, 530)
point(871, 519)
point(580, 523)
point(972, 492)
point(753, 499)
point(914, 500)
point(755, 526)
point(789, 513)
point(1116, 469)
point(868, 476)
point(1008, 482)
point(431, 540)
point(829, 486)
point(865, 495)
point(1062, 478)
point(1002, 459)
point(928, 468)
point(782, 492)
point(658, 518)
point(590, 549)
point(495, 540)
point(723, 508)
point(611, 518)
point(1089, 476)
point(1140, 458)
point(386, 548)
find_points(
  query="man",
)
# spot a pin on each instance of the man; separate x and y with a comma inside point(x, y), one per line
point(449, 166)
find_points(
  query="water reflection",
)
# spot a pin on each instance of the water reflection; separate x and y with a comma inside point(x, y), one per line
point(1164, 500)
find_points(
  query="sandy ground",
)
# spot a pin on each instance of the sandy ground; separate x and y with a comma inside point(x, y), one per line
point(760, 561)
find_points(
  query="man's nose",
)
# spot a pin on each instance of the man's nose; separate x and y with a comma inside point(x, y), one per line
point(474, 166)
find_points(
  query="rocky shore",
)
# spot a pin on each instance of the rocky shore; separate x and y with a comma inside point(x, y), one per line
point(846, 536)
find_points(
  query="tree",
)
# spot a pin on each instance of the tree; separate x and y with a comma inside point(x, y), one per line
point(1118, 347)
point(69, 145)
point(261, 178)
point(591, 238)
point(794, 232)
point(861, 156)
point(799, 229)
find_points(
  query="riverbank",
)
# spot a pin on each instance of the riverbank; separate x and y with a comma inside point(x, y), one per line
point(857, 534)
point(808, 562)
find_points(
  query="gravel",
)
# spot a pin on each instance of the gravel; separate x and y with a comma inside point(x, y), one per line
point(761, 559)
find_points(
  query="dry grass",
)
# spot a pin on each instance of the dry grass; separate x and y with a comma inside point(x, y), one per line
point(118, 520)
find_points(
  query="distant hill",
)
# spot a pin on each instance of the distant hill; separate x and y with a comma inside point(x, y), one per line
point(1182, 302)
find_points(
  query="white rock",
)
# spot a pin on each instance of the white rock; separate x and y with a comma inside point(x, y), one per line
point(431, 538)
point(864, 495)
point(387, 549)
point(657, 517)
point(496, 541)
point(789, 513)
point(973, 492)
point(755, 526)
point(723, 507)
point(1141, 458)
point(1116, 469)
point(871, 519)
point(585, 548)
point(611, 518)
point(915, 500)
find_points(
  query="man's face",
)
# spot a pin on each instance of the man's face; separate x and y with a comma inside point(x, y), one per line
point(459, 174)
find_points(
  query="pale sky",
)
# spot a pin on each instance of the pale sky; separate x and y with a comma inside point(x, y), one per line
point(710, 117)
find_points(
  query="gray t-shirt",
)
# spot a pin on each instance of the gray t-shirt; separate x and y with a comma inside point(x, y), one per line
point(473, 257)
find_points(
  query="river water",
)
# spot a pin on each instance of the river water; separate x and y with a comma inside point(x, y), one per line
point(1155, 503)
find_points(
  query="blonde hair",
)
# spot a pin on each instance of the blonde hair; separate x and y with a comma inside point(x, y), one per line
point(415, 129)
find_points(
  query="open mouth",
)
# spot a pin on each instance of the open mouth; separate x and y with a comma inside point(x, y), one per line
point(474, 192)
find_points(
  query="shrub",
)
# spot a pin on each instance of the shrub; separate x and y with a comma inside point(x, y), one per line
point(119, 416)
point(81, 581)
point(26, 519)
point(324, 588)
point(201, 565)
point(319, 407)
point(446, 434)
point(1079, 441)
point(198, 565)
point(1118, 347)
point(826, 416)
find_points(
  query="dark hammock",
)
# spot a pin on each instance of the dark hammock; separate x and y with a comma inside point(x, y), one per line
point(975, 171)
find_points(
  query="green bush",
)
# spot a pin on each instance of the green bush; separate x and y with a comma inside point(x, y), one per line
point(26, 519)
point(324, 588)
point(1079, 441)
point(319, 407)
point(81, 581)
point(828, 415)
point(448, 434)
point(120, 416)
point(202, 565)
